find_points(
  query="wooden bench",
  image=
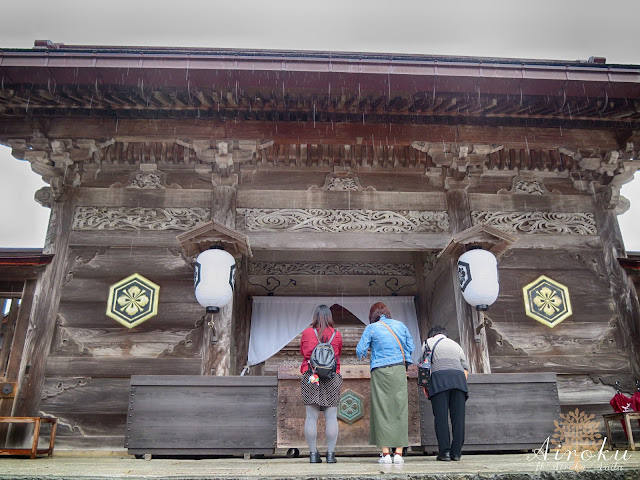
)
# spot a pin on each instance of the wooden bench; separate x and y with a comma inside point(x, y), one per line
point(626, 417)
point(33, 451)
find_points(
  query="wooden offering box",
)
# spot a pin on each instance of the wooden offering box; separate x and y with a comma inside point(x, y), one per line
point(353, 413)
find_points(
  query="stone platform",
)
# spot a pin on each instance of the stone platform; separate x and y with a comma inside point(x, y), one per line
point(101, 465)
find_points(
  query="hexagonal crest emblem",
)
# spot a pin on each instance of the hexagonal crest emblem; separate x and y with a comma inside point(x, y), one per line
point(547, 301)
point(351, 407)
point(464, 275)
point(133, 300)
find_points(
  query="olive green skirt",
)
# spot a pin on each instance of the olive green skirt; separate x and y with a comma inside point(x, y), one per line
point(389, 413)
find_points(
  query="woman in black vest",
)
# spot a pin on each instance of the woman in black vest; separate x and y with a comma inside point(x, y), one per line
point(448, 392)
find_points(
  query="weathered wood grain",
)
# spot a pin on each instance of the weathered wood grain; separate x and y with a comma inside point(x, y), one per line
point(120, 341)
point(527, 337)
point(521, 137)
point(340, 200)
point(473, 342)
point(174, 290)
point(440, 294)
point(200, 415)
point(91, 314)
point(582, 390)
point(153, 198)
point(46, 299)
point(93, 262)
point(292, 414)
point(331, 285)
point(78, 395)
point(512, 415)
point(348, 241)
point(120, 367)
point(532, 203)
point(562, 364)
point(126, 238)
point(626, 299)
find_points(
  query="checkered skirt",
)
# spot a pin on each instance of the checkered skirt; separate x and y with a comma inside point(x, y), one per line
point(324, 394)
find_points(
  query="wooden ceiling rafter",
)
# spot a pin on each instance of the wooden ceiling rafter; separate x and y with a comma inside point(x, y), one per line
point(72, 100)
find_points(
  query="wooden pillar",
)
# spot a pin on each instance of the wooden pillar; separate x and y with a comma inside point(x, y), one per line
point(422, 307)
point(621, 287)
point(42, 322)
point(241, 317)
point(216, 357)
point(473, 337)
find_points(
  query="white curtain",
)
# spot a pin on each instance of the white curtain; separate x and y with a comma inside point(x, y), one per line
point(275, 321)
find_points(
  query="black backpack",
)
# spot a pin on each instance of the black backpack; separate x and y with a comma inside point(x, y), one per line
point(323, 358)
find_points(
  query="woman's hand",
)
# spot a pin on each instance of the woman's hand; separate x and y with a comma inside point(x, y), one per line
point(466, 374)
point(426, 394)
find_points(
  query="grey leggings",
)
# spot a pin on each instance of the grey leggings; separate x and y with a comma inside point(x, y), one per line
point(311, 427)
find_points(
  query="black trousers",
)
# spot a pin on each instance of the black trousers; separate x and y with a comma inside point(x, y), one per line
point(445, 404)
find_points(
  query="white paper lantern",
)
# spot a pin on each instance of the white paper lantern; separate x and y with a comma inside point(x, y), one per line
point(478, 276)
point(213, 280)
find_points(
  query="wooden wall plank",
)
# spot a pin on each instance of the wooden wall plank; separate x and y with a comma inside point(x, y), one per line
point(152, 198)
point(120, 367)
point(562, 364)
point(78, 395)
point(179, 315)
point(532, 203)
point(316, 132)
point(171, 290)
point(340, 200)
point(510, 415)
point(119, 341)
point(347, 241)
point(182, 417)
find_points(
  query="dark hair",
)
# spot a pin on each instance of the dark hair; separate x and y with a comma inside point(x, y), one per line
point(378, 310)
point(435, 330)
point(322, 319)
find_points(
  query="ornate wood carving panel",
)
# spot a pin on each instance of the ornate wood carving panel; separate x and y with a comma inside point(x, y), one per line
point(339, 221)
point(137, 218)
point(538, 222)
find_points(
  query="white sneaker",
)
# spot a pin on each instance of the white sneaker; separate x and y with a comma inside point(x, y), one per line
point(398, 460)
point(386, 459)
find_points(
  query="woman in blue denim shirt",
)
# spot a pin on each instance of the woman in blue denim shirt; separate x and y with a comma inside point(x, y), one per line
point(391, 346)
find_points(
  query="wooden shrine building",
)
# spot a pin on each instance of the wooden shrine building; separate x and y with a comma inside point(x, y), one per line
point(348, 173)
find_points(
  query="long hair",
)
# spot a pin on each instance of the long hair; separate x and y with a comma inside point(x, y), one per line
point(322, 319)
point(378, 310)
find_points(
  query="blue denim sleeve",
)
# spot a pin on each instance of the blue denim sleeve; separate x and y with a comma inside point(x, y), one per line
point(410, 346)
point(364, 343)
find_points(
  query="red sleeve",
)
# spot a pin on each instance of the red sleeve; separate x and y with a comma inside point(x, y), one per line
point(337, 348)
point(307, 344)
point(337, 344)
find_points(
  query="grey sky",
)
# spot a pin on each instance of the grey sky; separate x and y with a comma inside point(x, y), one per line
point(545, 29)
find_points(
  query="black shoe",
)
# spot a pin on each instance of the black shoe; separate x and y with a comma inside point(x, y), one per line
point(331, 457)
point(455, 458)
point(314, 457)
point(444, 457)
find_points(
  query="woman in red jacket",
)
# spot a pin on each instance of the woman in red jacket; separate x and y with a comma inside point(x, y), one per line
point(320, 393)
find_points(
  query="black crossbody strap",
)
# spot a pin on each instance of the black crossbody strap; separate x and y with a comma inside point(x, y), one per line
point(433, 350)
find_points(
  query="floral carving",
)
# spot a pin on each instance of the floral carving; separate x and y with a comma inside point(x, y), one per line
point(324, 268)
point(132, 300)
point(138, 218)
point(538, 222)
point(547, 301)
point(341, 221)
point(147, 180)
point(530, 187)
point(342, 182)
point(337, 183)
